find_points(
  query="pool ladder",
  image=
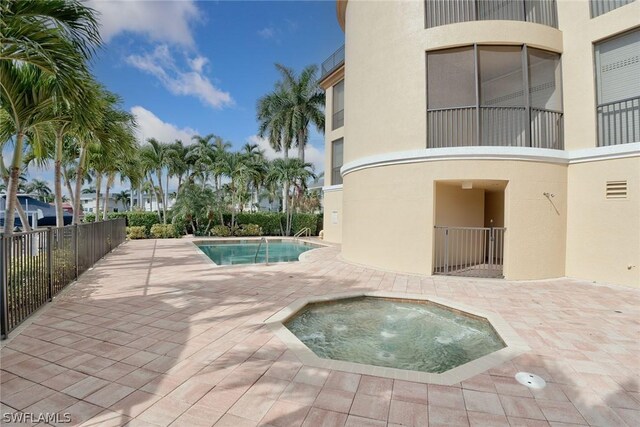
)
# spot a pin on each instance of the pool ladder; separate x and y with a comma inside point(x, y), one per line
point(305, 230)
point(266, 243)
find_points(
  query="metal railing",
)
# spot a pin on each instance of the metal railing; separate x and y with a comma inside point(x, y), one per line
point(304, 230)
point(469, 251)
point(266, 243)
point(337, 120)
point(332, 63)
point(37, 265)
point(600, 7)
point(619, 122)
point(497, 126)
point(443, 12)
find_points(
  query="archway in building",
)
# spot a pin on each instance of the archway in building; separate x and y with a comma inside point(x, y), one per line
point(469, 228)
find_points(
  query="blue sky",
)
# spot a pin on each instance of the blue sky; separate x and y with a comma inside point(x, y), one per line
point(185, 67)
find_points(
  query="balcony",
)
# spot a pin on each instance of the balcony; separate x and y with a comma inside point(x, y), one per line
point(619, 122)
point(443, 12)
point(332, 63)
point(600, 7)
point(497, 126)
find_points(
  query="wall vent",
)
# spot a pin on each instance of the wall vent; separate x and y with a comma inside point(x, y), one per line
point(616, 189)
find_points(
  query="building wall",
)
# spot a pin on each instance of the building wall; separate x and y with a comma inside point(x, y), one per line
point(389, 208)
point(603, 235)
point(332, 219)
point(332, 223)
point(389, 214)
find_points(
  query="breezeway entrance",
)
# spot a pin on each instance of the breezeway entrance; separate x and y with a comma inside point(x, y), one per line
point(469, 228)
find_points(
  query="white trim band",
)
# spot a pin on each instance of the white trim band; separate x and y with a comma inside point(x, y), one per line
point(493, 153)
point(330, 188)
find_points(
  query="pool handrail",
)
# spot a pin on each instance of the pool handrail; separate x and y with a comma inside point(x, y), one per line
point(304, 230)
point(266, 242)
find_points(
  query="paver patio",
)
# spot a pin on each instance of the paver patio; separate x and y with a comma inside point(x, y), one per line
point(155, 335)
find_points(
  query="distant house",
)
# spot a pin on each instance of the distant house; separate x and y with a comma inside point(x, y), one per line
point(40, 214)
point(88, 202)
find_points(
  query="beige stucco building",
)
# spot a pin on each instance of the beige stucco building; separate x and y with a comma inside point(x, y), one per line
point(486, 138)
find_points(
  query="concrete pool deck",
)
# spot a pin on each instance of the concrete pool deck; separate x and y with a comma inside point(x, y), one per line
point(155, 336)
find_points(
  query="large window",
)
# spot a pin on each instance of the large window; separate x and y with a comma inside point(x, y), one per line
point(599, 7)
point(443, 12)
point(494, 95)
point(617, 67)
point(338, 105)
point(336, 161)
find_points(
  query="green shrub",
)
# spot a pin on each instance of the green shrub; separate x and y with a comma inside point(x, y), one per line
point(301, 220)
point(163, 231)
point(180, 225)
point(247, 230)
point(269, 222)
point(137, 232)
point(220, 231)
point(89, 217)
point(142, 219)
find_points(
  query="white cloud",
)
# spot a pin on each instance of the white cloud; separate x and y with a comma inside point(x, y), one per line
point(192, 82)
point(151, 126)
point(311, 153)
point(166, 21)
point(267, 32)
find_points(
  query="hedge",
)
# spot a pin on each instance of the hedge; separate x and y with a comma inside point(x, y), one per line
point(270, 222)
point(134, 218)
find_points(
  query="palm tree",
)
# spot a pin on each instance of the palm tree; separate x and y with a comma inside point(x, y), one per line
point(113, 127)
point(44, 48)
point(122, 197)
point(236, 167)
point(156, 157)
point(256, 161)
point(25, 94)
point(297, 103)
point(55, 36)
point(40, 189)
point(177, 161)
point(201, 157)
point(287, 172)
point(305, 103)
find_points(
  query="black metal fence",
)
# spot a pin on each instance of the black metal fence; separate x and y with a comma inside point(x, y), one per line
point(36, 265)
point(619, 122)
point(497, 126)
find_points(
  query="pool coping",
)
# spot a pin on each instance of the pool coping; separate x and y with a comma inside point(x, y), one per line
point(514, 345)
point(194, 242)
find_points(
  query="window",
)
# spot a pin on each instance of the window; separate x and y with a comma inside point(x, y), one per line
point(494, 95)
point(600, 7)
point(617, 67)
point(443, 12)
point(336, 161)
point(338, 105)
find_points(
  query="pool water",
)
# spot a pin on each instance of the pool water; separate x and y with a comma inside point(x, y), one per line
point(231, 253)
point(394, 333)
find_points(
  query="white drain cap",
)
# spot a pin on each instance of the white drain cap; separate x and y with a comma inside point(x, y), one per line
point(530, 380)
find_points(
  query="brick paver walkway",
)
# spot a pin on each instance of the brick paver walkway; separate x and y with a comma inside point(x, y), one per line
point(154, 335)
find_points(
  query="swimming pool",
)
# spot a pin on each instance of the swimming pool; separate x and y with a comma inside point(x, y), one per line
point(244, 251)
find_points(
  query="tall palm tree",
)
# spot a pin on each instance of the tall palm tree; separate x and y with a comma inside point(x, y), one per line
point(177, 163)
point(235, 166)
point(122, 197)
point(257, 162)
point(306, 103)
point(290, 172)
point(156, 157)
point(201, 157)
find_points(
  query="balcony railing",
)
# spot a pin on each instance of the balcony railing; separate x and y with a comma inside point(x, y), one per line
point(443, 12)
point(619, 122)
point(332, 63)
point(337, 120)
point(600, 7)
point(497, 126)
